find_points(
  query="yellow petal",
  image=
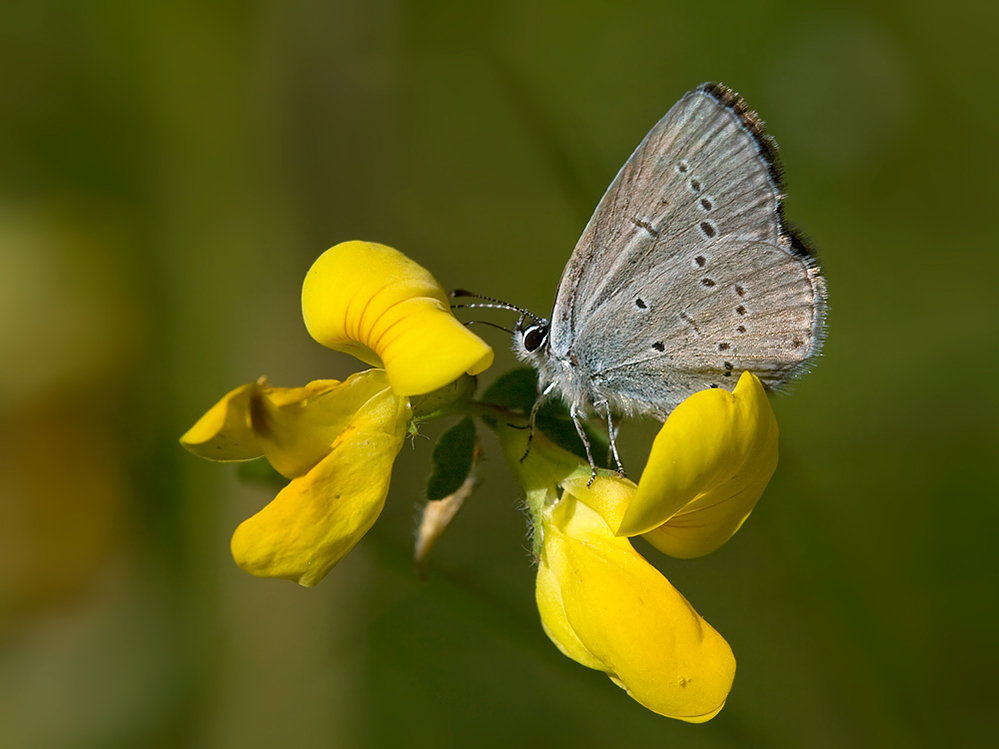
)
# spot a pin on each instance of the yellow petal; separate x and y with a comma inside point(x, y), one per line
point(608, 608)
point(225, 432)
point(372, 301)
point(714, 516)
point(548, 594)
point(707, 468)
point(296, 426)
point(315, 520)
point(609, 496)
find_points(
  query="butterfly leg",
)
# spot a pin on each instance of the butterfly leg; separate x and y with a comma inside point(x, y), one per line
point(542, 396)
point(612, 434)
point(574, 413)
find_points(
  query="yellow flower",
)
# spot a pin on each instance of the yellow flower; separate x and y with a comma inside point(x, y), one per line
point(606, 607)
point(600, 601)
point(373, 302)
point(336, 441)
point(708, 467)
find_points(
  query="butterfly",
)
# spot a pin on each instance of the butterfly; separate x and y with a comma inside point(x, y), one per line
point(685, 276)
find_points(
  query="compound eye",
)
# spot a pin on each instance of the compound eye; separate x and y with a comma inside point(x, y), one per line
point(534, 336)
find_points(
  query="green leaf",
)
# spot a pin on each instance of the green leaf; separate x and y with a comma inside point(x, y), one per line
point(554, 421)
point(452, 460)
point(516, 390)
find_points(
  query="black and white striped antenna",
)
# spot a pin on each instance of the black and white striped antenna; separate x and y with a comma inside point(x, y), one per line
point(488, 303)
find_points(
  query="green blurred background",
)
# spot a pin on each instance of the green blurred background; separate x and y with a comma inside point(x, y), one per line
point(168, 172)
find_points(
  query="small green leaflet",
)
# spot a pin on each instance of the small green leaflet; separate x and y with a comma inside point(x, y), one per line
point(452, 460)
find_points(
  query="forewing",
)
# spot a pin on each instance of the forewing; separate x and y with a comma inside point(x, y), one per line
point(705, 171)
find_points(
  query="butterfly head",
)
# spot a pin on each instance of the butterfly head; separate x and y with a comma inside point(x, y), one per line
point(530, 335)
point(530, 338)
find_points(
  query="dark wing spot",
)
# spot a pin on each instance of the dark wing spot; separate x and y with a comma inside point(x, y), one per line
point(741, 310)
point(695, 184)
point(707, 282)
point(640, 304)
point(659, 346)
point(741, 329)
point(715, 384)
point(797, 343)
point(645, 225)
point(728, 369)
point(740, 290)
point(682, 167)
point(724, 346)
point(701, 261)
point(708, 229)
point(706, 204)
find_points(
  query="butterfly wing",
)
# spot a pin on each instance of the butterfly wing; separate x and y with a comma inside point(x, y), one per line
point(685, 272)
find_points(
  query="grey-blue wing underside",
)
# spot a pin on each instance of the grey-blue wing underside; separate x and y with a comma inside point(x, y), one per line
point(685, 273)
